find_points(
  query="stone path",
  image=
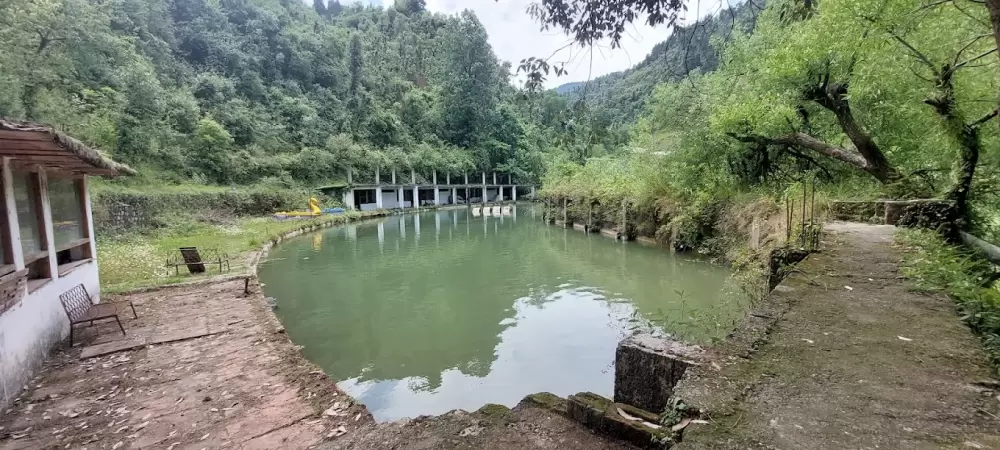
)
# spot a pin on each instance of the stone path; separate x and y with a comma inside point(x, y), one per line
point(242, 386)
point(843, 355)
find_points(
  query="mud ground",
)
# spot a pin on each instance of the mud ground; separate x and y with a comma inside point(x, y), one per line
point(243, 386)
point(844, 355)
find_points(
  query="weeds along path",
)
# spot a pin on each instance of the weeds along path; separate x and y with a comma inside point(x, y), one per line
point(852, 359)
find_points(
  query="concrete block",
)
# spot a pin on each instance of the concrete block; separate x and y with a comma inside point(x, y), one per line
point(600, 414)
point(647, 368)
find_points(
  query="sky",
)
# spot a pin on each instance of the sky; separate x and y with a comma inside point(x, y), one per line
point(515, 36)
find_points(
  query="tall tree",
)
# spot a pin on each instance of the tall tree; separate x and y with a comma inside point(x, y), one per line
point(320, 7)
point(469, 97)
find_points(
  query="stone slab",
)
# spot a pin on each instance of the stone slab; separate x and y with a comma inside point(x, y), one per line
point(108, 348)
point(604, 416)
point(648, 367)
point(134, 342)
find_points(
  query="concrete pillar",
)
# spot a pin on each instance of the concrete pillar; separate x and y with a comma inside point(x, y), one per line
point(413, 177)
point(416, 196)
point(484, 188)
point(437, 195)
point(350, 176)
point(399, 197)
point(378, 197)
point(434, 178)
point(448, 178)
point(378, 179)
point(349, 199)
point(466, 178)
point(393, 176)
point(454, 193)
point(513, 193)
point(647, 368)
point(494, 178)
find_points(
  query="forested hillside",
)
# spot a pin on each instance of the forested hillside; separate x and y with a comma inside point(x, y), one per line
point(622, 95)
point(879, 99)
point(272, 91)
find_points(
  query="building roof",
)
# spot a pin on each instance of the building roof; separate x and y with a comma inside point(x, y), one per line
point(34, 144)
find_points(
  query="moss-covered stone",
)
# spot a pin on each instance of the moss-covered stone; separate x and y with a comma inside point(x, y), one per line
point(545, 400)
point(493, 410)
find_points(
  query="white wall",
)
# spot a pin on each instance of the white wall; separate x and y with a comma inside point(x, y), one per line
point(444, 196)
point(389, 199)
point(31, 328)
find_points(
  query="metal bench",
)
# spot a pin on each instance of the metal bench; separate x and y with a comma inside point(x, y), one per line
point(80, 308)
point(192, 259)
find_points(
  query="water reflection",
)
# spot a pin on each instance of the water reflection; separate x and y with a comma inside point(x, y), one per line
point(486, 316)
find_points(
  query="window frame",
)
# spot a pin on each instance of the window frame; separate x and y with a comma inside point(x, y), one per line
point(37, 264)
point(6, 241)
point(83, 244)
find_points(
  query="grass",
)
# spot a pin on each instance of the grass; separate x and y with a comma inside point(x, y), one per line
point(933, 265)
point(134, 261)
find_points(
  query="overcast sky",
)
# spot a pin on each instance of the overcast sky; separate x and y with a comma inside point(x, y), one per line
point(515, 36)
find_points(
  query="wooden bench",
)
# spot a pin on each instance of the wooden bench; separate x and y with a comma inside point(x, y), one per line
point(80, 308)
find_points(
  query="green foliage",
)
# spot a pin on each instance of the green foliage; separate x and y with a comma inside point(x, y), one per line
point(238, 91)
point(935, 266)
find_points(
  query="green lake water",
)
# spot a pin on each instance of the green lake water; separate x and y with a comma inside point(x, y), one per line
point(425, 313)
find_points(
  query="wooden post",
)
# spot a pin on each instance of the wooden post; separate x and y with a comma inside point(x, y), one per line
point(802, 238)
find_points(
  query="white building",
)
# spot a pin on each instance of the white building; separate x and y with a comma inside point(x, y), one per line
point(46, 242)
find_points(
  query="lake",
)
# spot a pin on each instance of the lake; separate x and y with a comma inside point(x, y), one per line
point(424, 313)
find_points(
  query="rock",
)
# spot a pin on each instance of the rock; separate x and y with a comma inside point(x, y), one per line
point(545, 400)
point(647, 368)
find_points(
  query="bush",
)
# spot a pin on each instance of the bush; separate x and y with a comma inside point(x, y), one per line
point(933, 265)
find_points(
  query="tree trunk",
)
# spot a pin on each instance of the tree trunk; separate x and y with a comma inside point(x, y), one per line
point(994, 8)
point(834, 98)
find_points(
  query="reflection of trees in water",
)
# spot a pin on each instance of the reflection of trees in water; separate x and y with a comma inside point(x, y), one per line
point(389, 312)
point(358, 303)
point(687, 297)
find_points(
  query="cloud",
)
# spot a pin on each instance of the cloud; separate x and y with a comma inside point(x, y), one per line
point(515, 36)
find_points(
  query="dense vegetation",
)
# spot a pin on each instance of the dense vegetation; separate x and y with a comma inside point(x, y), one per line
point(882, 99)
point(266, 91)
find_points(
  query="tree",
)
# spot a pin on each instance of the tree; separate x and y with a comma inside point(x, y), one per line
point(411, 6)
point(320, 7)
point(469, 97)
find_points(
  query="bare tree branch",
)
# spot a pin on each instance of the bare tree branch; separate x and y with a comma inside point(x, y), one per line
point(809, 142)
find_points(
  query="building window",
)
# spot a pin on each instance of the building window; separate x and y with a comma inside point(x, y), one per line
point(27, 188)
point(365, 196)
point(29, 214)
point(70, 229)
point(6, 251)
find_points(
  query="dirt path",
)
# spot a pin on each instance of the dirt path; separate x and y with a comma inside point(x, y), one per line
point(844, 356)
point(241, 386)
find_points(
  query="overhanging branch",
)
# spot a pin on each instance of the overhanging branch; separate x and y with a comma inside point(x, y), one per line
point(806, 141)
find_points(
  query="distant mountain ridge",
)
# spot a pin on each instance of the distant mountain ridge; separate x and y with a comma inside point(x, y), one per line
point(569, 87)
point(623, 94)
